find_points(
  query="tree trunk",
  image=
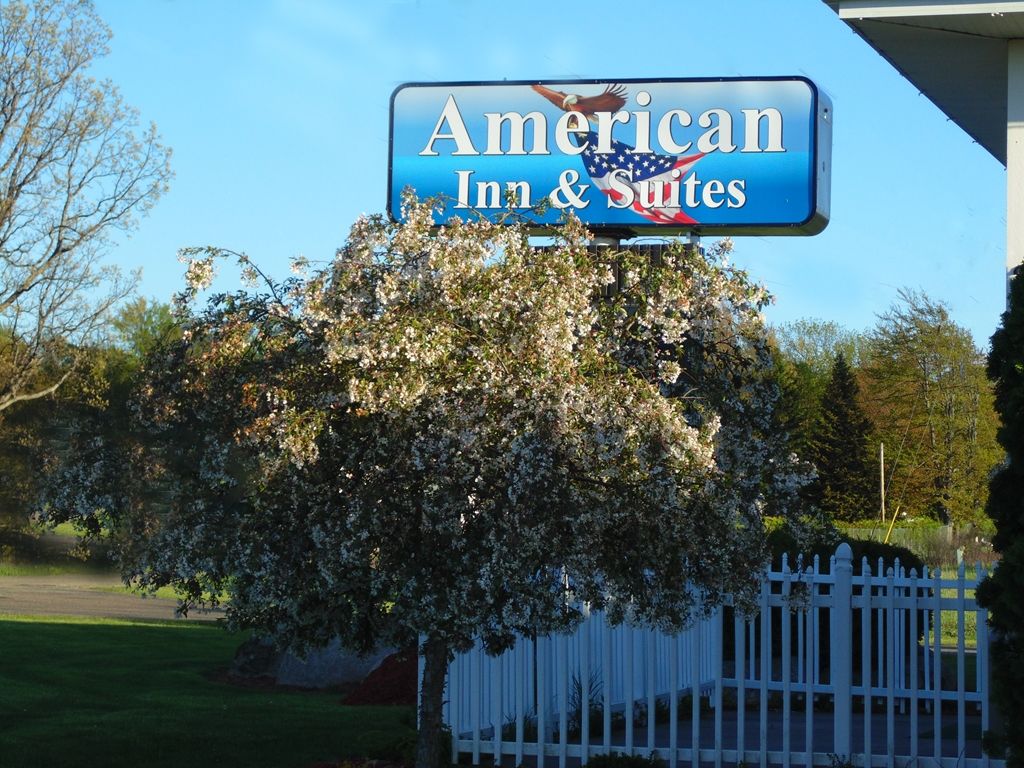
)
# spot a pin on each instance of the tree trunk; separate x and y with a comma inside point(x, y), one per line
point(435, 669)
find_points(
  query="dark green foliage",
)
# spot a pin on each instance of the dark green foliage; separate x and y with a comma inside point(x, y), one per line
point(992, 744)
point(802, 548)
point(83, 415)
point(799, 401)
point(839, 448)
point(1001, 592)
point(783, 540)
point(815, 536)
point(804, 352)
point(889, 554)
point(29, 428)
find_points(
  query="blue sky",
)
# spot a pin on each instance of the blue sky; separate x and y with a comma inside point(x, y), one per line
point(277, 111)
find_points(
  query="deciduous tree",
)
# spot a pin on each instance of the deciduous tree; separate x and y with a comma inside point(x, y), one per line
point(75, 166)
point(448, 435)
point(928, 394)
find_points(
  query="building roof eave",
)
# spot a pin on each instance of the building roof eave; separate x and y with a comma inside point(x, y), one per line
point(917, 38)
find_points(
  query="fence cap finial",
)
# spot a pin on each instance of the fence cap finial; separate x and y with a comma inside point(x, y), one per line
point(844, 552)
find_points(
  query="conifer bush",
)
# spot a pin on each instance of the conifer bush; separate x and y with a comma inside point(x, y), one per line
point(1001, 592)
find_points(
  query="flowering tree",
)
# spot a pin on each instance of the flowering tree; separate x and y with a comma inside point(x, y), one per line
point(450, 435)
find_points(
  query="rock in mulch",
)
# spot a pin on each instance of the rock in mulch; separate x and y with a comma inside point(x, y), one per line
point(259, 660)
point(392, 682)
point(328, 667)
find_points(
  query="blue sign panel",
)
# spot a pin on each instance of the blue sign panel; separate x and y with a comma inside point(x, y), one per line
point(722, 156)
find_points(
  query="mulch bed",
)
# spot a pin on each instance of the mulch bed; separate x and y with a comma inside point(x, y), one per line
point(391, 683)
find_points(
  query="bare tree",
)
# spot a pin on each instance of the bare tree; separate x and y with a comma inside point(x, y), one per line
point(75, 167)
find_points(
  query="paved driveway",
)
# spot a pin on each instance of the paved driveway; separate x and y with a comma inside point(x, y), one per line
point(79, 595)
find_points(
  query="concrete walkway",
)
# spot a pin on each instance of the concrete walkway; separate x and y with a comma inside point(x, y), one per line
point(822, 730)
point(86, 595)
point(822, 744)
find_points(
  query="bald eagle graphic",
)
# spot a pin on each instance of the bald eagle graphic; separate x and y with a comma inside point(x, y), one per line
point(612, 100)
point(650, 176)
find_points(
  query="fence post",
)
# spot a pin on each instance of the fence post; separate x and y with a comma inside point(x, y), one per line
point(841, 649)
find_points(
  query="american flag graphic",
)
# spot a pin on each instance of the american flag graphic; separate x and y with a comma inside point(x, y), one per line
point(641, 167)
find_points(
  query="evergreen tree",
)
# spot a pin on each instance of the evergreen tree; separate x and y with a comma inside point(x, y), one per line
point(839, 448)
point(804, 351)
point(1002, 591)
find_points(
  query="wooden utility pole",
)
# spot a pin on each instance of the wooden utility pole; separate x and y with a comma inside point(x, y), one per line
point(881, 474)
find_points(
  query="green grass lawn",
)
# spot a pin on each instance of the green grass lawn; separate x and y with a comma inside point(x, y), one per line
point(62, 529)
point(53, 569)
point(950, 623)
point(168, 593)
point(85, 692)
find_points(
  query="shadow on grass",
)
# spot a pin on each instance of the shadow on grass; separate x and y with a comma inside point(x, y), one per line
point(44, 553)
point(80, 692)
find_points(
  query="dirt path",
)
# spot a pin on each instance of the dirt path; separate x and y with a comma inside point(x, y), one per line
point(79, 595)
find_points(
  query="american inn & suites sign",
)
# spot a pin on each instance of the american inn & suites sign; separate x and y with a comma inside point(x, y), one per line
point(719, 156)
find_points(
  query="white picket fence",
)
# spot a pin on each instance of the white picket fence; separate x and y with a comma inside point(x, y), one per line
point(900, 698)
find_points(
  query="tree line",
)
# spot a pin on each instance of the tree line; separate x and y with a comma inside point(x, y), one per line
point(91, 405)
point(914, 383)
